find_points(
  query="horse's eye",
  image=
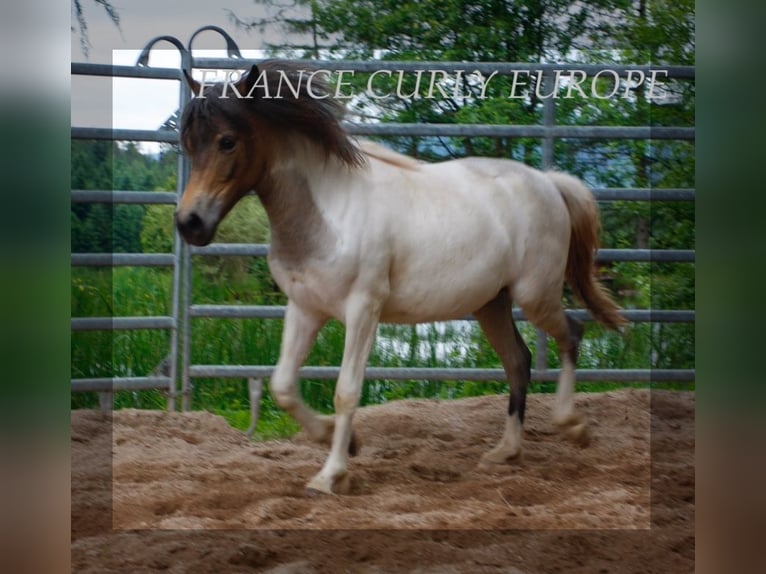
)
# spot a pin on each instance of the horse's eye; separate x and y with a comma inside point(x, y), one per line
point(226, 143)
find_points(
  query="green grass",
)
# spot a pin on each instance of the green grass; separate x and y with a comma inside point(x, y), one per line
point(271, 424)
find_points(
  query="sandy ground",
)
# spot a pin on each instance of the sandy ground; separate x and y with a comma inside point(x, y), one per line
point(155, 491)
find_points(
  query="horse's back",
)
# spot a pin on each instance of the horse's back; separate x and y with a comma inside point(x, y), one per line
point(459, 231)
point(506, 195)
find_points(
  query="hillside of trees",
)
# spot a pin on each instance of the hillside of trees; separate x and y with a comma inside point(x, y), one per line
point(103, 165)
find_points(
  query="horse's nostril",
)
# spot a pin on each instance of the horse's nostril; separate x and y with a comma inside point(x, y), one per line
point(189, 224)
point(194, 222)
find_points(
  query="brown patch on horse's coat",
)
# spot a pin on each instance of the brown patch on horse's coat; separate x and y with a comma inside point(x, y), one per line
point(298, 229)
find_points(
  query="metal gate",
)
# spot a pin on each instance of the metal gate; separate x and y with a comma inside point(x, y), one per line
point(180, 372)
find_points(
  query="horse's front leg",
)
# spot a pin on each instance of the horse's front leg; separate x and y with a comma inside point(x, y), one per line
point(362, 316)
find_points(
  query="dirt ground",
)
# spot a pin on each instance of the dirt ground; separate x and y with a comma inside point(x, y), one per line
point(155, 491)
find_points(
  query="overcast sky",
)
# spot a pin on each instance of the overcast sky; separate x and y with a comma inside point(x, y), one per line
point(139, 103)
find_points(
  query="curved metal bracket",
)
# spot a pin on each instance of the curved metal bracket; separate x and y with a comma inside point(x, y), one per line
point(231, 46)
point(143, 58)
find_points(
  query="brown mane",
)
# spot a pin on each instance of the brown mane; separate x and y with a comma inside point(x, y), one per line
point(317, 118)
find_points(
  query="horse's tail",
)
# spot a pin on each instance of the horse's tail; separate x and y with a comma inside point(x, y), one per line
point(583, 243)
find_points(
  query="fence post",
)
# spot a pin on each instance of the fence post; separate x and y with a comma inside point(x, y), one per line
point(179, 247)
point(187, 63)
point(549, 119)
point(184, 349)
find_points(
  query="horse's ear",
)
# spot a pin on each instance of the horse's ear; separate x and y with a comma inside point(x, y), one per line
point(245, 84)
point(193, 84)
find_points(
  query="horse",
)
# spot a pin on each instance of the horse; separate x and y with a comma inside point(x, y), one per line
point(363, 234)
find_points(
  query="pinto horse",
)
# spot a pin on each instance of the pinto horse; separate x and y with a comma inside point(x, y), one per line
point(364, 235)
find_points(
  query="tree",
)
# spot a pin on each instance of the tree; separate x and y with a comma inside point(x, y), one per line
point(295, 18)
point(78, 13)
point(99, 165)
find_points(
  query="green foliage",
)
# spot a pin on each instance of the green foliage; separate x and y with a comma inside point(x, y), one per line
point(272, 423)
point(99, 165)
point(157, 229)
point(485, 30)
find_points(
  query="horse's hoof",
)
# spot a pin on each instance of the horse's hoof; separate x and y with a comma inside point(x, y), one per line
point(314, 493)
point(575, 428)
point(496, 457)
point(321, 485)
point(578, 433)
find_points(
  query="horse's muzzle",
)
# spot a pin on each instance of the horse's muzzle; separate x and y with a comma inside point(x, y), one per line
point(193, 229)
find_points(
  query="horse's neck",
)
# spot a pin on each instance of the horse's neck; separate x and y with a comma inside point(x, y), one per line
point(298, 228)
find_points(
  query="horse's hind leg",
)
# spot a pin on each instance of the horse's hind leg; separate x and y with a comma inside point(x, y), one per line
point(567, 333)
point(496, 321)
point(569, 420)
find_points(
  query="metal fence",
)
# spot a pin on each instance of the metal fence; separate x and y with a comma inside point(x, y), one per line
point(180, 372)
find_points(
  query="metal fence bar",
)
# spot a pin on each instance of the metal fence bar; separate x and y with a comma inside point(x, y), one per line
point(121, 323)
point(87, 133)
point(278, 312)
point(123, 260)
point(604, 255)
point(646, 255)
point(168, 198)
point(643, 315)
point(638, 194)
point(547, 161)
point(238, 311)
point(176, 309)
point(185, 319)
point(124, 197)
point(117, 384)
point(448, 374)
point(181, 344)
point(241, 249)
point(502, 68)
point(489, 130)
point(432, 130)
point(107, 385)
point(114, 71)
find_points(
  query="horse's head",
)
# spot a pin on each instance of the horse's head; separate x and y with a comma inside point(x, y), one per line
point(219, 136)
point(233, 141)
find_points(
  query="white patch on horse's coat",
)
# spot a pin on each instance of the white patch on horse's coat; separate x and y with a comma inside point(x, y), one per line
point(388, 155)
point(569, 420)
point(509, 446)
